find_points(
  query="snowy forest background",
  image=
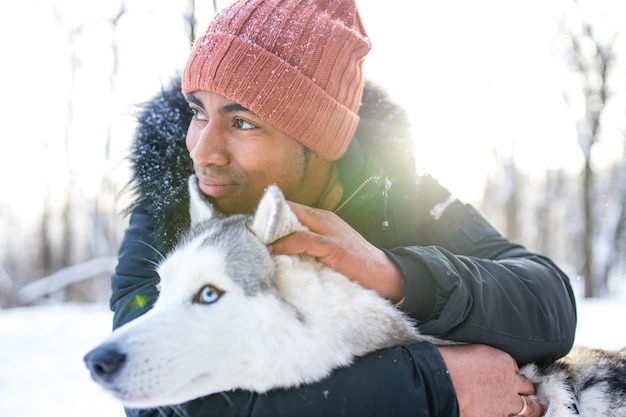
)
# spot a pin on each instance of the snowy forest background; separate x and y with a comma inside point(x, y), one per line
point(517, 108)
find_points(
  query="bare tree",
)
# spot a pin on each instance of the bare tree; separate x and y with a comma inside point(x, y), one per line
point(104, 227)
point(546, 214)
point(617, 225)
point(592, 59)
point(501, 198)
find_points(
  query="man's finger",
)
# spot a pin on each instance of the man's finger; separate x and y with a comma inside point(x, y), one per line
point(526, 387)
point(529, 408)
point(535, 409)
point(309, 217)
point(298, 242)
point(289, 245)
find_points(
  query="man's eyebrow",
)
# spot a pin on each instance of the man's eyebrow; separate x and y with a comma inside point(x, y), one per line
point(229, 108)
point(235, 107)
point(193, 99)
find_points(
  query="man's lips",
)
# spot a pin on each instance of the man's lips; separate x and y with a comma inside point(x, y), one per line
point(214, 188)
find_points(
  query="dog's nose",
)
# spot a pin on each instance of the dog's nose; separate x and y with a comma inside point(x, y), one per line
point(104, 362)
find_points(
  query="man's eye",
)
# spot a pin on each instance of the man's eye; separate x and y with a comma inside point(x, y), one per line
point(197, 115)
point(244, 124)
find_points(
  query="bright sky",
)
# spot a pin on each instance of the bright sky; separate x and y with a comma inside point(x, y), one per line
point(474, 76)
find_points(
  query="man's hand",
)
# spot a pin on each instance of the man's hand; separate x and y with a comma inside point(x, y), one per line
point(488, 383)
point(339, 246)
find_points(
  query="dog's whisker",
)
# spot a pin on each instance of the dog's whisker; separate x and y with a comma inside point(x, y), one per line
point(163, 411)
point(155, 265)
point(161, 256)
point(227, 398)
point(180, 411)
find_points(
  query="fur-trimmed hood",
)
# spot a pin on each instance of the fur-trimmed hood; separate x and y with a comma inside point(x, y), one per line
point(160, 163)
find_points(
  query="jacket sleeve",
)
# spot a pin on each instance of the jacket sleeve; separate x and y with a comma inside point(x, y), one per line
point(403, 381)
point(134, 282)
point(466, 282)
point(408, 380)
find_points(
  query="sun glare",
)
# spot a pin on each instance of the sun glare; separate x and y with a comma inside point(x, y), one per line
point(475, 88)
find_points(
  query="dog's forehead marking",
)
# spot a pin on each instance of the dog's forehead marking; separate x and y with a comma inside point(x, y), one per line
point(246, 260)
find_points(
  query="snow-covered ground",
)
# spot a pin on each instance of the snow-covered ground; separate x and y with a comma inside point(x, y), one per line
point(41, 370)
point(41, 350)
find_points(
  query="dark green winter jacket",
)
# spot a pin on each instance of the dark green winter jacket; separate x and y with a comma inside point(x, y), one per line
point(463, 280)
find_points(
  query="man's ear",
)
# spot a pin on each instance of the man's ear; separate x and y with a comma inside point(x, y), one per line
point(273, 218)
point(200, 209)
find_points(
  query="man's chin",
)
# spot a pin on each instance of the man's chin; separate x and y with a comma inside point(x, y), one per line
point(230, 206)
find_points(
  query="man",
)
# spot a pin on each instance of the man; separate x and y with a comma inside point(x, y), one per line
point(274, 87)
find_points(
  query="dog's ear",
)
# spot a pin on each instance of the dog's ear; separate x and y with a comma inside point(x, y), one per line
point(200, 209)
point(273, 218)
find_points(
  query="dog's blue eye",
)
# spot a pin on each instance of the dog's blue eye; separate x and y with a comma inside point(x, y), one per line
point(208, 295)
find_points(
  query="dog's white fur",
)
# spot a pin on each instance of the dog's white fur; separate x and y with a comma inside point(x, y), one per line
point(230, 316)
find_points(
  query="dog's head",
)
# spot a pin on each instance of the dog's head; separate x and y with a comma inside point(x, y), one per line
point(215, 287)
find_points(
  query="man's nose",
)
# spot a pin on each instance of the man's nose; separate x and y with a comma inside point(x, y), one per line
point(210, 147)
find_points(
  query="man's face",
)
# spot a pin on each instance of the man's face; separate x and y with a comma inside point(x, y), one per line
point(236, 155)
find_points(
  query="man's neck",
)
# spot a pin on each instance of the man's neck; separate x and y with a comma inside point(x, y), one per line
point(333, 192)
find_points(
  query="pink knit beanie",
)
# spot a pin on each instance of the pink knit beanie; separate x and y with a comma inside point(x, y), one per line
point(295, 63)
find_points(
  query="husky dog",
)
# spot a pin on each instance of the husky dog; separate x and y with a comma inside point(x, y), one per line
point(238, 309)
point(585, 383)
